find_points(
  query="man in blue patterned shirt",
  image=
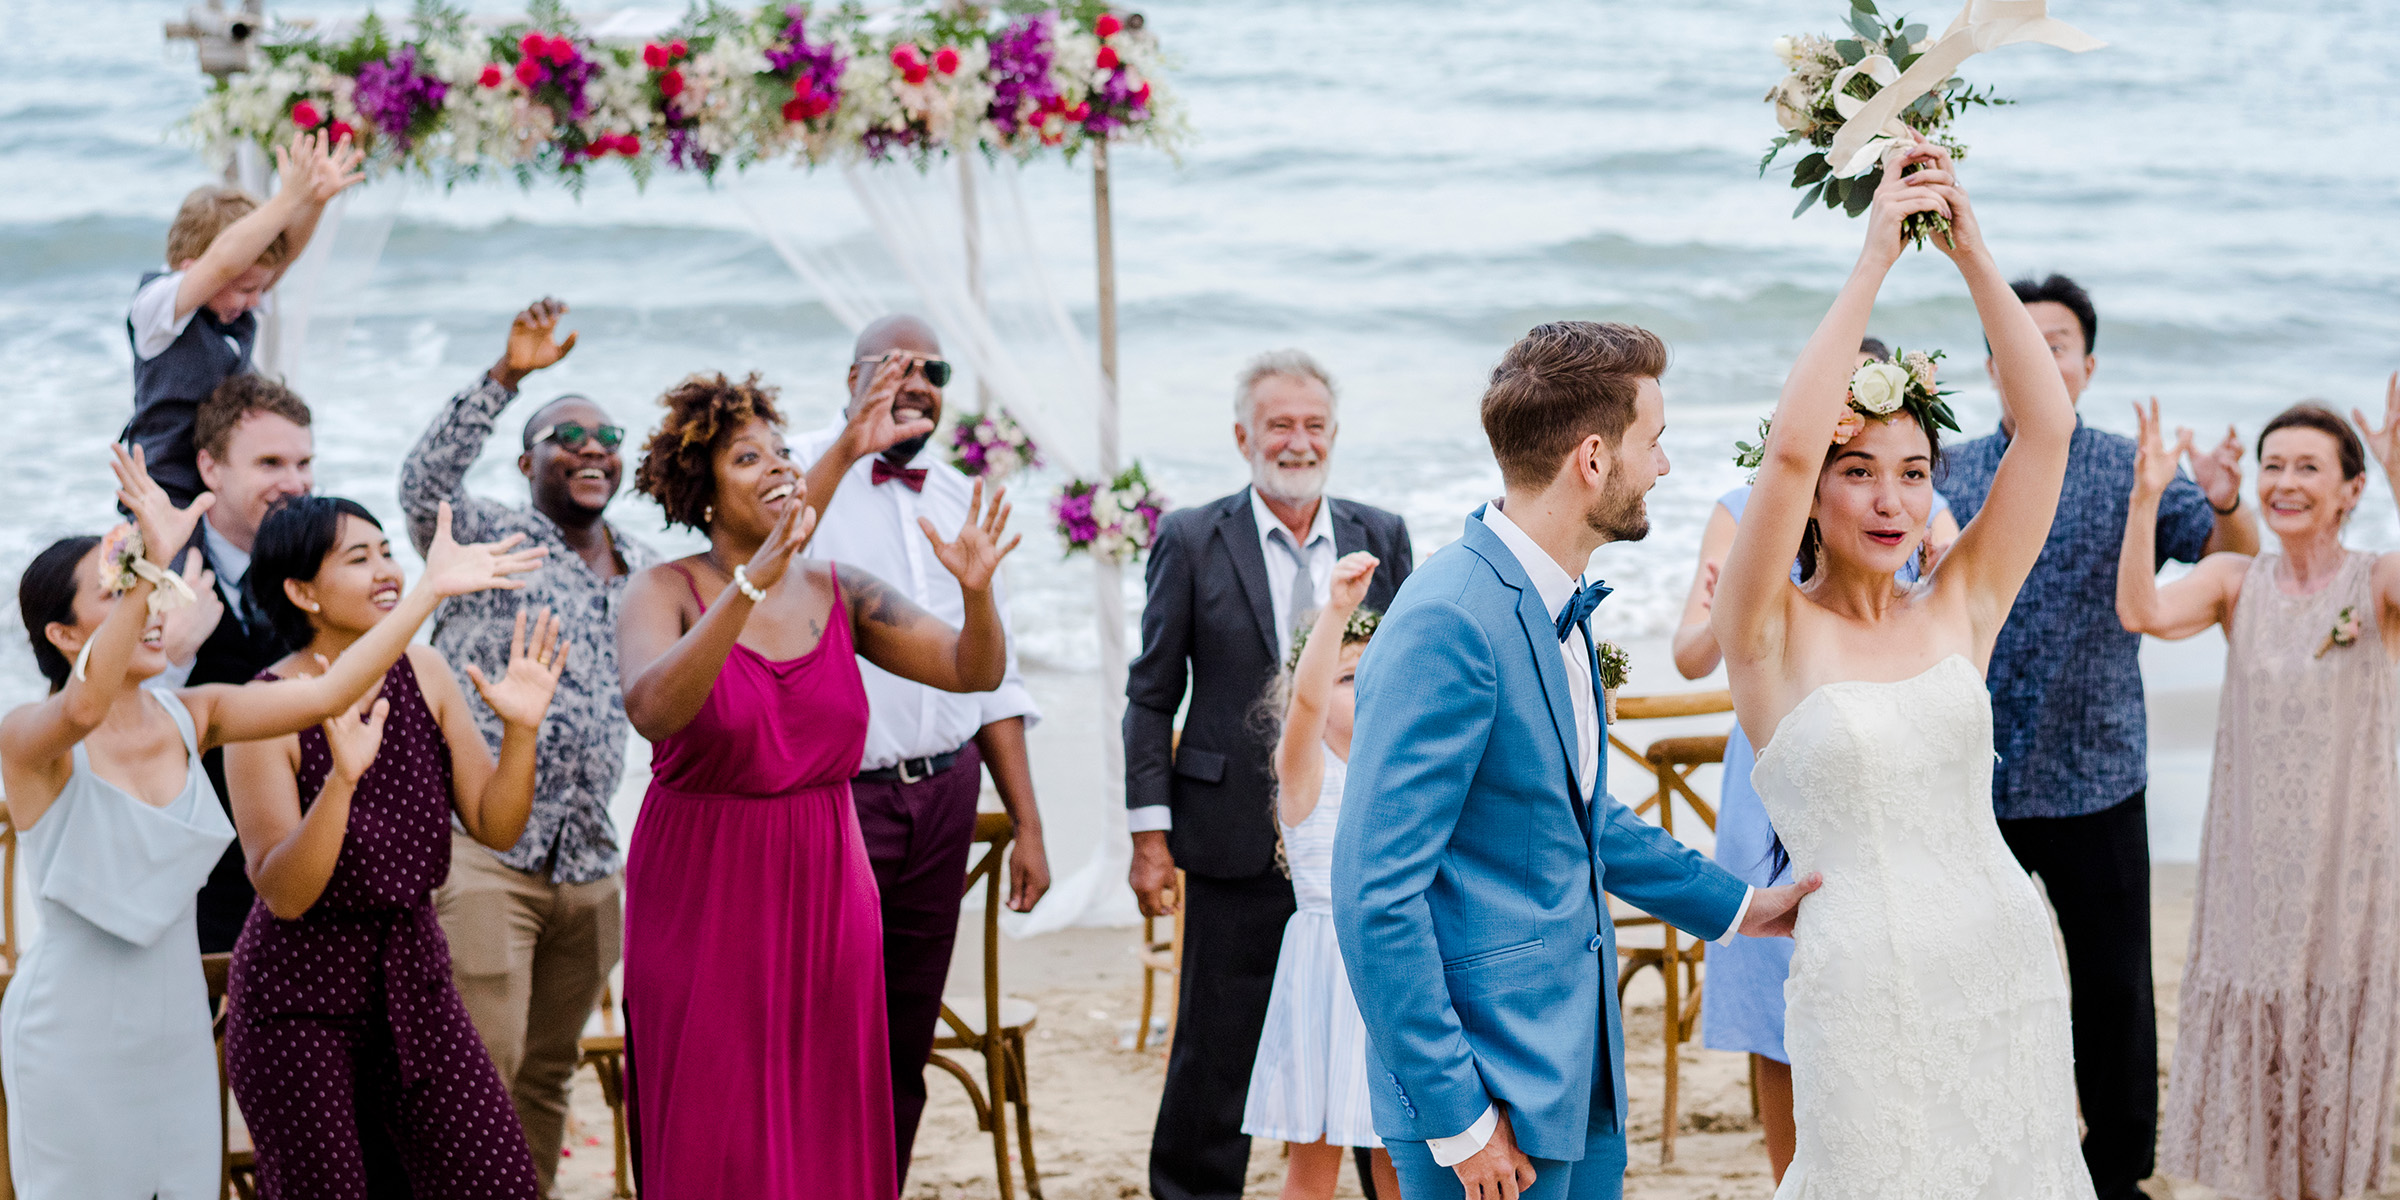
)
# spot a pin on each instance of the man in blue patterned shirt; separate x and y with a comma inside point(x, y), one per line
point(534, 932)
point(2070, 730)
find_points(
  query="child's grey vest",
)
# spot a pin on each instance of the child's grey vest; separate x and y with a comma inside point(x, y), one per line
point(168, 389)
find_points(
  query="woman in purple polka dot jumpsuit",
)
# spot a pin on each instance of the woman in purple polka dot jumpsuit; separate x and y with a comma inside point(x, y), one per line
point(347, 1045)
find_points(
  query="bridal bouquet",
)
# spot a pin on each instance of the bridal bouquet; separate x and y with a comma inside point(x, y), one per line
point(1115, 521)
point(1911, 383)
point(1828, 81)
point(991, 444)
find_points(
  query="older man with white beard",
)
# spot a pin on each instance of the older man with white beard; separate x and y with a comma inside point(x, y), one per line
point(1229, 582)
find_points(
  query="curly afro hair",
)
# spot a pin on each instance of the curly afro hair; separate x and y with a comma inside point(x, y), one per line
point(678, 462)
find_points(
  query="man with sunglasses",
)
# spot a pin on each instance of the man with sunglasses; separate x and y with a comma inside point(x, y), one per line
point(927, 751)
point(534, 932)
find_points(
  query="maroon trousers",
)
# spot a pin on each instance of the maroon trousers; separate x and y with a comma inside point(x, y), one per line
point(917, 838)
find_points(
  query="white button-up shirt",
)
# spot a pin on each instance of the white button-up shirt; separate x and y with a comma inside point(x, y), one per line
point(1556, 588)
point(874, 528)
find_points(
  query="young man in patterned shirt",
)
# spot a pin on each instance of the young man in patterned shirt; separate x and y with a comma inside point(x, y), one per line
point(534, 932)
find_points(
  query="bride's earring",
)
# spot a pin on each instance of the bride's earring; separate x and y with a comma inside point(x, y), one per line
point(708, 515)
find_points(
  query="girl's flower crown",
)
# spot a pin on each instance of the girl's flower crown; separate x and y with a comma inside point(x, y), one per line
point(1880, 390)
point(1359, 628)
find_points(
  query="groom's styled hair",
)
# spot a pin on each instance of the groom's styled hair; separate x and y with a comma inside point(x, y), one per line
point(1561, 383)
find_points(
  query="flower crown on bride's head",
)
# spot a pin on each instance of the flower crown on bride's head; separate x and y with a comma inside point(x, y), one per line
point(1880, 390)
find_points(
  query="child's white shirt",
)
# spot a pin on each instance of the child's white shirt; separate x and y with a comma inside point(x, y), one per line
point(155, 325)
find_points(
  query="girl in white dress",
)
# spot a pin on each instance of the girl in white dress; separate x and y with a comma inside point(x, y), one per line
point(1308, 1085)
point(105, 1050)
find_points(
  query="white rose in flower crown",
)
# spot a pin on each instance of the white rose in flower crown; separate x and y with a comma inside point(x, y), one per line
point(1878, 387)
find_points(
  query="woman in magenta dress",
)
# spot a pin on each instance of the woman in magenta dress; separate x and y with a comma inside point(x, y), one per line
point(753, 940)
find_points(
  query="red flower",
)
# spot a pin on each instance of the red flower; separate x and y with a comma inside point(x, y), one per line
point(670, 84)
point(795, 109)
point(1108, 58)
point(676, 49)
point(628, 145)
point(492, 75)
point(560, 51)
point(1141, 99)
point(531, 72)
point(341, 132)
point(819, 105)
point(305, 115)
point(802, 89)
point(533, 44)
point(904, 56)
point(654, 56)
point(1107, 26)
point(914, 74)
point(945, 60)
point(1079, 112)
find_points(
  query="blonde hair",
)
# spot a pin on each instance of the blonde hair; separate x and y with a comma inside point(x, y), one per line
point(209, 212)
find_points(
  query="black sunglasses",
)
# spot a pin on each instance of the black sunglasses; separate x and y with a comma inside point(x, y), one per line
point(937, 372)
point(570, 435)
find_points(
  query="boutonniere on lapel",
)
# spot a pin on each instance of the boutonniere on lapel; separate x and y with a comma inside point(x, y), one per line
point(2345, 630)
point(1613, 664)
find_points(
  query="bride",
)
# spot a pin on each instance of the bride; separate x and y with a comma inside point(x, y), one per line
point(1927, 1015)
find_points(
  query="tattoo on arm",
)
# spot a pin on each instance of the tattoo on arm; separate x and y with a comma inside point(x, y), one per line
point(872, 599)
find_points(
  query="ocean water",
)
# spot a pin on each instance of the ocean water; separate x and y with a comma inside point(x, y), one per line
point(1402, 188)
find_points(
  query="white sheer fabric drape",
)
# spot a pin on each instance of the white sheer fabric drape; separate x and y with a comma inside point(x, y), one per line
point(959, 235)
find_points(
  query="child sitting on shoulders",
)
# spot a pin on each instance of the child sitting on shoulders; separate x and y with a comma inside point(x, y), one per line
point(1308, 1086)
point(195, 323)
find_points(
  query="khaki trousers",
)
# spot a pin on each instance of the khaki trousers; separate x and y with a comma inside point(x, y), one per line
point(530, 958)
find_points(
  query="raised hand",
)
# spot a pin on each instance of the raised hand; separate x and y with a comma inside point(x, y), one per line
point(2154, 460)
point(2219, 472)
point(785, 540)
point(974, 556)
point(533, 342)
point(523, 693)
point(166, 529)
point(355, 736)
point(2384, 443)
point(186, 629)
point(455, 570)
point(328, 168)
point(1351, 575)
point(1902, 195)
point(873, 428)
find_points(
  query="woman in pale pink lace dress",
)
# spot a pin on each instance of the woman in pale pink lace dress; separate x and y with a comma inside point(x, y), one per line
point(2286, 1046)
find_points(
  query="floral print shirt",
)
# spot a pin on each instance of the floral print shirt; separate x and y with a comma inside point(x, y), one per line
point(581, 752)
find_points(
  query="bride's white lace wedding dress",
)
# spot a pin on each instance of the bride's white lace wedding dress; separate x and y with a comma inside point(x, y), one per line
point(1927, 1015)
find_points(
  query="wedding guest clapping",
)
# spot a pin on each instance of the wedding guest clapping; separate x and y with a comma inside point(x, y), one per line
point(753, 956)
point(1310, 1085)
point(112, 1072)
point(2288, 1033)
point(345, 1041)
point(927, 749)
point(2071, 784)
point(1229, 583)
point(534, 927)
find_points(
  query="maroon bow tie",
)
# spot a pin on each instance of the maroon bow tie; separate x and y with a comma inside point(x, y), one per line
point(914, 477)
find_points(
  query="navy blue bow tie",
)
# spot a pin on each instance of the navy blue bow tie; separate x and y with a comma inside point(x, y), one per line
point(1579, 609)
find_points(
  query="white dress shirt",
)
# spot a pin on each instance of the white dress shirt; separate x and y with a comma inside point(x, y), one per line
point(1317, 553)
point(1556, 588)
point(874, 528)
point(232, 565)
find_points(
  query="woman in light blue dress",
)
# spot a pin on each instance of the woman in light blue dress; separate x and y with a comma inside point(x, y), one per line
point(1308, 1083)
point(105, 1049)
point(1741, 999)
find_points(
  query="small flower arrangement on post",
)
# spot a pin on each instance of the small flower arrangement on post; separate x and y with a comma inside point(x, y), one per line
point(1614, 663)
point(1114, 521)
point(2345, 631)
point(991, 444)
point(1878, 389)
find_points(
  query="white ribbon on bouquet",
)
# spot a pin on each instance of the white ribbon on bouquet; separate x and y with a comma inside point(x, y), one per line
point(1982, 25)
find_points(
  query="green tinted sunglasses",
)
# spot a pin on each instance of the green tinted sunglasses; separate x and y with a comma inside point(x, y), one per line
point(570, 435)
point(937, 372)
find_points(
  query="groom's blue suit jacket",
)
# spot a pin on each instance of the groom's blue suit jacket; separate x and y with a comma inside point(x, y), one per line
point(1466, 888)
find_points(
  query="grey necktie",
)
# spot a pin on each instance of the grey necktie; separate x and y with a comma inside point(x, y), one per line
point(1302, 592)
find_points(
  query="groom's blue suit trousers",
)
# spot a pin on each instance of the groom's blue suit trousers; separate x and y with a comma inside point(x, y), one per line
point(1600, 1176)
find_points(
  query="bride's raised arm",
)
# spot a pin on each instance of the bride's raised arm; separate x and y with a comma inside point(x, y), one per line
point(1997, 549)
point(1754, 587)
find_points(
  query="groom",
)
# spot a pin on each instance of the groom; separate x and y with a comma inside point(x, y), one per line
point(1476, 840)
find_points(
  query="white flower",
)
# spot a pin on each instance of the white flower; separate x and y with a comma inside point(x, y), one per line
point(1878, 387)
point(1788, 49)
point(1920, 367)
point(1795, 102)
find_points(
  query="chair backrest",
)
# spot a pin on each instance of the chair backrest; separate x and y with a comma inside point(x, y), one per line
point(8, 891)
point(1670, 761)
point(993, 831)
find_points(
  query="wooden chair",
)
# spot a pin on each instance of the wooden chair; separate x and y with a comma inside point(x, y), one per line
point(1670, 762)
point(993, 1025)
point(1162, 957)
point(8, 963)
point(238, 1176)
point(604, 1053)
